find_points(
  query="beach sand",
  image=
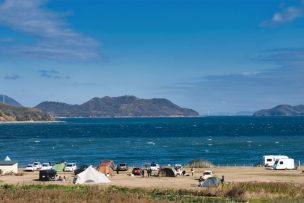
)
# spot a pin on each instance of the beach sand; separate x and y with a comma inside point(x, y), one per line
point(232, 174)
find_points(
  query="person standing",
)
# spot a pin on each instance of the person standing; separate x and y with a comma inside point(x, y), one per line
point(143, 173)
point(192, 171)
point(149, 172)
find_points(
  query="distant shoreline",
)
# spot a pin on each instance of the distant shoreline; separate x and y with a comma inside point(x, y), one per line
point(29, 122)
point(135, 117)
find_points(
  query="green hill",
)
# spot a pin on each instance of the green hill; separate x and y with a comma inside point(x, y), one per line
point(13, 113)
point(124, 106)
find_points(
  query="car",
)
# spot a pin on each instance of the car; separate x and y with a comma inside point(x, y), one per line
point(38, 165)
point(207, 174)
point(136, 171)
point(70, 167)
point(30, 167)
point(46, 175)
point(80, 169)
point(46, 166)
point(122, 167)
point(179, 169)
point(154, 167)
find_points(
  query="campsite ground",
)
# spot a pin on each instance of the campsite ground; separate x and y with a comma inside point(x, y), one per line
point(231, 174)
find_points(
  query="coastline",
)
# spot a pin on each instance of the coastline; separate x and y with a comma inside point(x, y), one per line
point(242, 184)
point(29, 122)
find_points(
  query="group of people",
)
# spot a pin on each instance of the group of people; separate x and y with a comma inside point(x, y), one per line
point(149, 172)
point(60, 178)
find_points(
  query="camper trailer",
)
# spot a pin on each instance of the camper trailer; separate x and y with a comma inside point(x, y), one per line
point(283, 164)
point(269, 160)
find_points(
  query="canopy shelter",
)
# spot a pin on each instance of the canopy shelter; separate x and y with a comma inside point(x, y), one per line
point(91, 176)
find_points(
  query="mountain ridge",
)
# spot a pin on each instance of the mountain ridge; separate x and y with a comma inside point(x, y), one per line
point(8, 100)
point(122, 106)
point(282, 110)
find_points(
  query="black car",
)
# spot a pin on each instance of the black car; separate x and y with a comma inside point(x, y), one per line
point(46, 175)
point(122, 167)
point(80, 169)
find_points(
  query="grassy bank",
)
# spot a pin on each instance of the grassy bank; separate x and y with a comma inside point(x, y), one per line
point(241, 192)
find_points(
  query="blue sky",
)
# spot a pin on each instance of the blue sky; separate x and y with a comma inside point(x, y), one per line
point(209, 55)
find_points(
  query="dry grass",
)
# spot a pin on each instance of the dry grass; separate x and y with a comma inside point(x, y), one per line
point(241, 192)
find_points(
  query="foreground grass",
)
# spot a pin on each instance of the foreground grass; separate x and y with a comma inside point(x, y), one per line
point(240, 192)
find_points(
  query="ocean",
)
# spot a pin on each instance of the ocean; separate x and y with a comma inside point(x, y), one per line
point(221, 140)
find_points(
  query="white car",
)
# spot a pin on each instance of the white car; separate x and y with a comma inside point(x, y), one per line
point(179, 169)
point(207, 174)
point(70, 167)
point(154, 167)
point(30, 167)
point(46, 166)
point(38, 165)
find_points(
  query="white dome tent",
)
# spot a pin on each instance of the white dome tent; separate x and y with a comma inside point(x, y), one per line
point(91, 176)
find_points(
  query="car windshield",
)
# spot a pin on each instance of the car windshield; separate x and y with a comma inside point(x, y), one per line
point(29, 165)
point(207, 173)
point(45, 164)
point(122, 164)
point(36, 163)
point(69, 165)
point(153, 164)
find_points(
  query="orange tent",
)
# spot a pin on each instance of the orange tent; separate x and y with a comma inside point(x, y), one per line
point(106, 167)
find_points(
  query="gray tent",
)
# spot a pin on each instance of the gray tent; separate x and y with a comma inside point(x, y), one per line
point(211, 182)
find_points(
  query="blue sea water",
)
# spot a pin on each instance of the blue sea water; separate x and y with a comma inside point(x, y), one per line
point(222, 140)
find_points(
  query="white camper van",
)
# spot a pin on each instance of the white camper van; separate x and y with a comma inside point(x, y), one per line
point(282, 164)
point(269, 160)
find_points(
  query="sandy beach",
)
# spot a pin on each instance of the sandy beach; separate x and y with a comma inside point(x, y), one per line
point(231, 174)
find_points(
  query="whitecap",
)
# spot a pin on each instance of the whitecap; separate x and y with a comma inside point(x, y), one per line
point(209, 139)
point(249, 141)
point(210, 144)
point(277, 142)
point(151, 143)
point(36, 141)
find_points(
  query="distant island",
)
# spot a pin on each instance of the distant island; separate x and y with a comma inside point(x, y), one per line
point(282, 110)
point(9, 113)
point(123, 106)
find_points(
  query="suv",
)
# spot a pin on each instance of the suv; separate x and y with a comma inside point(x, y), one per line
point(154, 167)
point(122, 167)
point(38, 165)
point(136, 171)
point(207, 174)
point(70, 167)
point(46, 175)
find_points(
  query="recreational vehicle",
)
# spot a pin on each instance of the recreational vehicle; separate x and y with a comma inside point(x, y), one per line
point(269, 160)
point(283, 164)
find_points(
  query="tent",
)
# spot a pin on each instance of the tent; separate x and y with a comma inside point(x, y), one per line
point(8, 166)
point(211, 182)
point(106, 167)
point(91, 176)
point(167, 172)
point(59, 167)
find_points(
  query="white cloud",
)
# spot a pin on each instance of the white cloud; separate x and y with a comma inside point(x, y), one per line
point(286, 15)
point(54, 38)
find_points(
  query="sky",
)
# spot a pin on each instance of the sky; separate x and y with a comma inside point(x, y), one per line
point(214, 56)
